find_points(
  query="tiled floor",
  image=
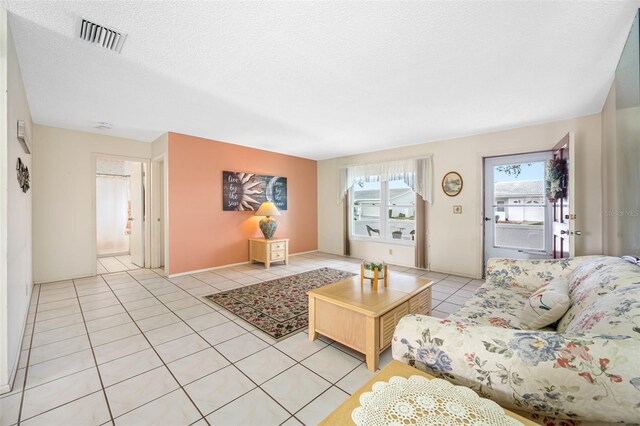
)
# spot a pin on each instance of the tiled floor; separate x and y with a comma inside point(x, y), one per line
point(136, 348)
point(115, 264)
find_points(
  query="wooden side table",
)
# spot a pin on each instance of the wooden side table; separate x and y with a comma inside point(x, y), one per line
point(342, 415)
point(269, 251)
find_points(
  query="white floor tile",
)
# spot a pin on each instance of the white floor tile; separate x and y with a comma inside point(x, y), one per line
point(120, 348)
point(331, 363)
point(58, 334)
point(132, 393)
point(355, 379)
point(89, 410)
point(208, 320)
point(222, 333)
point(108, 322)
point(151, 311)
point(299, 346)
point(9, 409)
point(56, 313)
point(58, 322)
point(103, 312)
point(59, 367)
point(322, 406)
point(197, 365)
point(53, 394)
point(58, 349)
point(241, 347)
point(292, 422)
point(295, 387)
point(151, 323)
point(229, 379)
point(172, 409)
point(447, 307)
point(253, 408)
point(265, 364)
point(168, 333)
point(179, 348)
point(114, 333)
point(183, 303)
point(128, 366)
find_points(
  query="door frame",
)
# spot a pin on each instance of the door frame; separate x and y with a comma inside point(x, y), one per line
point(156, 244)
point(147, 201)
point(548, 214)
point(480, 156)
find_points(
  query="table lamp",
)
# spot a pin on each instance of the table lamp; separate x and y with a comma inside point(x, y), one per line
point(268, 225)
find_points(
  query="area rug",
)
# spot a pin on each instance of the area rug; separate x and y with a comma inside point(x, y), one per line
point(278, 307)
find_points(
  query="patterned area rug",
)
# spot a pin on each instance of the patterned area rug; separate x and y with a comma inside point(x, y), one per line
point(278, 307)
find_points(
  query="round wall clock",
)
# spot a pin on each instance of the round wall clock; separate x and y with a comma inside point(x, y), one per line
point(452, 184)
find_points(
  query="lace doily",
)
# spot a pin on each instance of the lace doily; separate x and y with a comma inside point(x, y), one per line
point(420, 401)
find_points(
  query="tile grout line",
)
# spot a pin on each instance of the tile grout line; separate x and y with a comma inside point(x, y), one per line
point(161, 360)
point(235, 319)
point(231, 364)
point(95, 360)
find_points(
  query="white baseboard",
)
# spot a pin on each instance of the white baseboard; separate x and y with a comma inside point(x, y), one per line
point(197, 271)
point(6, 387)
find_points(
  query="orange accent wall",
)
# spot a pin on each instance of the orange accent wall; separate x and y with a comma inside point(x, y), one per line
point(201, 234)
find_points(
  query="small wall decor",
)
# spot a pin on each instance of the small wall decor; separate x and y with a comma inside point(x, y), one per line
point(23, 175)
point(247, 191)
point(556, 183)
point(457, 209)
point(23, 137)
point(452, 184)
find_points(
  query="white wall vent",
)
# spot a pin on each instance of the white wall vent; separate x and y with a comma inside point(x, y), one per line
point(99, 35)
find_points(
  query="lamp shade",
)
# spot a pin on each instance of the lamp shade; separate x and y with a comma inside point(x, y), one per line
point(268, 209)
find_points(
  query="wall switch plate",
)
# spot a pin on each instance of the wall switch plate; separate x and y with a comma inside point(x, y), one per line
point(391, 251)
point(457, 209)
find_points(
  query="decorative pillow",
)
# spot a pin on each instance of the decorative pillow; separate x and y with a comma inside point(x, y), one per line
point(547, 305)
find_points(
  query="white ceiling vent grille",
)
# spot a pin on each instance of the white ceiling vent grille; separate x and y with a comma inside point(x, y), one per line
point(99, 35)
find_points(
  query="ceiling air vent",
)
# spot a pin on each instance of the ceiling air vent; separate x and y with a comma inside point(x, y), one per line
point(99, 35)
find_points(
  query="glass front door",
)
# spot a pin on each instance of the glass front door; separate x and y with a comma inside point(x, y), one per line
point(517, 214)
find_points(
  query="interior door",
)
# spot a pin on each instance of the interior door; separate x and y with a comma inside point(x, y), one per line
point(564, 206)
point(136, 240)
point(517, 215)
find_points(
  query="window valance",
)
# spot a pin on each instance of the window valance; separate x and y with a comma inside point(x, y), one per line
point(415, 172)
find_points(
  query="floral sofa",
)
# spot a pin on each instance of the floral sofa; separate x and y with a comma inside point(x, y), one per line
point(585, 369)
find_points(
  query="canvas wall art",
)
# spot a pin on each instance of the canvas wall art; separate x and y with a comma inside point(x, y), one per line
point(246, 191)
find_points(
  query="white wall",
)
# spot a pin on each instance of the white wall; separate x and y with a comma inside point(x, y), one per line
point(18, 280)
point(63, 183)
point(455, 241)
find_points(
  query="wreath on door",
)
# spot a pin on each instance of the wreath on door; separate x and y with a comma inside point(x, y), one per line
point(556, 183)
point(23, 175)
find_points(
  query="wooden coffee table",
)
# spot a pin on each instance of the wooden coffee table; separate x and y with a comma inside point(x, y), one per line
point(342, 415)
point(363, 319)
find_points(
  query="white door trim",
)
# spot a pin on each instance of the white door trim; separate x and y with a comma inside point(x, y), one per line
point(156, 247)
point(147, 201)
point(4, 174)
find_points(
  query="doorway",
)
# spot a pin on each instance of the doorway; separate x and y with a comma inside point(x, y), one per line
point(120, 215)
point(518, 219)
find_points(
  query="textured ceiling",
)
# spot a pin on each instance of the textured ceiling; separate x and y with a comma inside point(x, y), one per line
point(319, 79)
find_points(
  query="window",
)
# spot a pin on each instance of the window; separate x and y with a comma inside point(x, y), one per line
point(384, 211)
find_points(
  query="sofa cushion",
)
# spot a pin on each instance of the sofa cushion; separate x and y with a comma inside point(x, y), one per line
point(494, 306)
point(604, 298)
point(546, 305)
